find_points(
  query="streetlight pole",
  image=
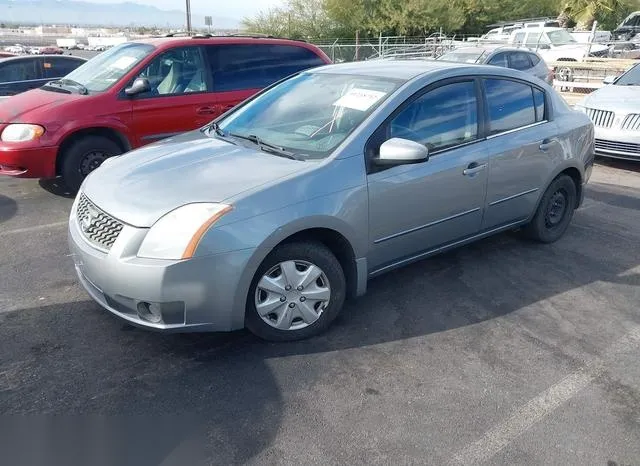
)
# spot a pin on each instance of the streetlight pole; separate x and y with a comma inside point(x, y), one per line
point(188, 16)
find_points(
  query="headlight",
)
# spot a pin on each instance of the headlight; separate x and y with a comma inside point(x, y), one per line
point(580, 108)
point(176, 235)
point(22, 132)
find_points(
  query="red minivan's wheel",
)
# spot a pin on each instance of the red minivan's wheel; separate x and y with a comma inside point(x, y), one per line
point(84, 156)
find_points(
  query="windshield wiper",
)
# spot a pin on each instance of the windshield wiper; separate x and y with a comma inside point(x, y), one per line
point(70, 82)
point(265, 146)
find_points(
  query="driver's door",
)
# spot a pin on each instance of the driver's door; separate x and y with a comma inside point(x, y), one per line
point(418, 207)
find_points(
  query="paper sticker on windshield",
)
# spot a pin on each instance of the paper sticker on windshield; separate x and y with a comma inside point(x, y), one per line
point(359, 99)
point(123, 63)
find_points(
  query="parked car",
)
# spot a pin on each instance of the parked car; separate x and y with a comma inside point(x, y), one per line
point(556, 44)
point(615, 111)
point(51, 50)
point(137, 93)
point(20, 74)
point(16, 49)
point(518, 59)
point(277, 211)
point(628, 28)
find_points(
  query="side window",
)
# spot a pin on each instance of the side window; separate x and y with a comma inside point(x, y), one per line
point(59, 67)
point(520, 61)
point(534, 39)
point(499, 59)
point(511, 105)
point(19, 70)
point(538, 100)
point(535, 59)
point(178, 71)
point(241, 67)
point(441, 118)
point(518, 38)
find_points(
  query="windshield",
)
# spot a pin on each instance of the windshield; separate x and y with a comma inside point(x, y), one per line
point(462, 57)
point(106, 69)
point(560, 37)
point(311, 113)
point(630, 78)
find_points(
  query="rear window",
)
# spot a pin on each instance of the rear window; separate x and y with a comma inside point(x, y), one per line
point(59, 67)
point(511, 105)
point(520, 61)
point(255, 66)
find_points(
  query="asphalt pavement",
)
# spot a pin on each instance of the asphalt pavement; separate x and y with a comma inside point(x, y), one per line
point(502, 352)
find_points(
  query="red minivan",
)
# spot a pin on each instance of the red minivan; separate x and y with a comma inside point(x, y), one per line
point(137, 93)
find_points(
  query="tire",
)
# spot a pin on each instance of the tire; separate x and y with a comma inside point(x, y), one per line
point(295, 309)
point(554, 212)
point(84, 156)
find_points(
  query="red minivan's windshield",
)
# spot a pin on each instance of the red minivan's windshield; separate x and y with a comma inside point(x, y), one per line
point(106, 69)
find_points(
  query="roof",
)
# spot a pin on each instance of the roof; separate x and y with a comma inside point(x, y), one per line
point(24, 57)
point(393, 69)
point(489, 48)
point(209, 39)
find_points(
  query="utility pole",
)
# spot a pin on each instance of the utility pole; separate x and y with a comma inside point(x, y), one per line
point(188, 16)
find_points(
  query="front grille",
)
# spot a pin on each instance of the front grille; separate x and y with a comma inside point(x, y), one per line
point(631, 122)
point(99, 228)
point(600, 118)
point(615, 146)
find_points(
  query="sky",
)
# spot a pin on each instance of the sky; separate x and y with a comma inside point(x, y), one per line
point(233, 8)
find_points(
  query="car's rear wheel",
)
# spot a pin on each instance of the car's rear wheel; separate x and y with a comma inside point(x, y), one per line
point(297, 292)
point(554, 212)
point(85, 155)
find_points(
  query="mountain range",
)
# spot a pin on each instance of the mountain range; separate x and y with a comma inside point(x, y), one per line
point(86, 13)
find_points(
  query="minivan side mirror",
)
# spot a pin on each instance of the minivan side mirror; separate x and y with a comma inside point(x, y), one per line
point(139, 86)
point(609, 79)
point(398, 151)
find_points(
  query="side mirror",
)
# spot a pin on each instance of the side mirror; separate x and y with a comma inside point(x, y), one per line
point(139, 86)
point(609, 79)
point(544, 47)
point(397, 151)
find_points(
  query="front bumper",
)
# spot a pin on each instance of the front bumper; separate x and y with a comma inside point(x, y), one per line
point(617, 143)
point(194, 295)
point(38, 162)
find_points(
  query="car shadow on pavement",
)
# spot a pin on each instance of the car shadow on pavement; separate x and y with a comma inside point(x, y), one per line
point(56, 186)
point(614, 196)
point(8, 208)
point(75, 358)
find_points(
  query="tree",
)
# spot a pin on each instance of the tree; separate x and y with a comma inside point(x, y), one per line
point(297, 19)
point(608, 13)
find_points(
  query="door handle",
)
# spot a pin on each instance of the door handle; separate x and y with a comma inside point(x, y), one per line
point(474, 168)
point(205, 111)
point(546, 144)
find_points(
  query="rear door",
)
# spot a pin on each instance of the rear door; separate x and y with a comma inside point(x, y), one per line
point(523, 147)
point(240, 70)
point(179, 99)
point(20, 75)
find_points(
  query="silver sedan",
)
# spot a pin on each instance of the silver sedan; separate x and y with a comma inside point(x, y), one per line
point(615, 111)
point(274, 214)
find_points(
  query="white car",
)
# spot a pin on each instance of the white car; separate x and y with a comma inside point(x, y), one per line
point(556, 44)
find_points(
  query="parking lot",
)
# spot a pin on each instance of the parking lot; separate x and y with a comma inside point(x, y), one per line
point(504, 352)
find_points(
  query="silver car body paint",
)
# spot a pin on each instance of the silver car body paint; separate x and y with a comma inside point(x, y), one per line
point(389, 218)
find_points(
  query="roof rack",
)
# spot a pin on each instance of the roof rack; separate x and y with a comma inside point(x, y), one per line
point(251, 35)
point(521, 21)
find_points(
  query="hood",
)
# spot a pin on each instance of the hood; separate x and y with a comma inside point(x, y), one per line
point(619, 99)
point(28, 107)
point(143, 185)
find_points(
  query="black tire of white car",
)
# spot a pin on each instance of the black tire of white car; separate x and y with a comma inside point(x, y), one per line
point(311, 252)
point(544, 227)
point(76, 166)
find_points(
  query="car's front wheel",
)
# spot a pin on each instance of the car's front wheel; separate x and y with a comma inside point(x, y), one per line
point(555, 211)
point(85, 155)
point(297, 292)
